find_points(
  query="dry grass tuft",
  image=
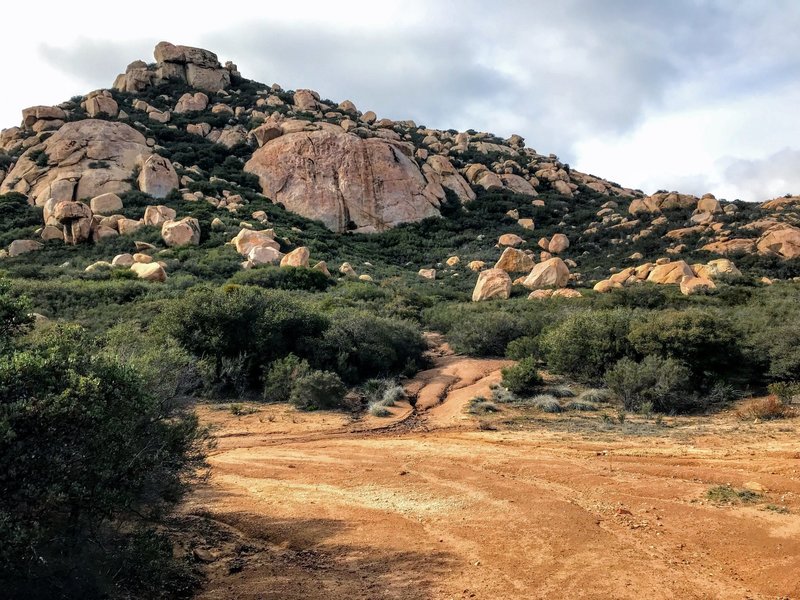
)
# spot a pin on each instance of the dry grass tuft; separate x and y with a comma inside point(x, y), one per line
point(765, 409)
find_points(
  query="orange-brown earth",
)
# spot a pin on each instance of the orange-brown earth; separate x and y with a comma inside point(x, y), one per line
point(436, 503)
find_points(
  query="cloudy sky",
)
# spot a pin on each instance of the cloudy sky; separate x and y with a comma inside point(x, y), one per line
point(693, 95)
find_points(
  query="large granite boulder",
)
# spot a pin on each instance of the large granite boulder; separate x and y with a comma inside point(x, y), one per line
point(84, 159)
point(345, 181)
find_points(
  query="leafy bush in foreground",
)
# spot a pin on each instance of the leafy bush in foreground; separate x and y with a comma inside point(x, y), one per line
point(87, 459)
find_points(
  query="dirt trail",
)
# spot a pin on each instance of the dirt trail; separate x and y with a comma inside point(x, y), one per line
point(426, 506)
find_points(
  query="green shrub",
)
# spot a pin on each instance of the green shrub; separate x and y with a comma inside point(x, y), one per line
point(705, 341)
point(87, 458)
point(785, 391)
point(359, 345)
point(14, 315)
point(580, 406)
point(318, 390)
point(393, 395)
point(280, 377)
point(486, 334)
point(481, 406)
point(379, 410)
point(284, 278)
point(595, 396)
point(726, 494)
point(244, 324)
point(547, 403)
point(585, 343)
point(520, 348)
point(502, 395)
point(523, 378)
point(167, 371)
point(663, 382)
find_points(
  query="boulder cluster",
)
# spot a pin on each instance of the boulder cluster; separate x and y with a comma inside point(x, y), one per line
point(690, 278)
point(196, 67)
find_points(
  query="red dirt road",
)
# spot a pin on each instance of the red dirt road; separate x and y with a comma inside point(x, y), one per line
point(427, 506)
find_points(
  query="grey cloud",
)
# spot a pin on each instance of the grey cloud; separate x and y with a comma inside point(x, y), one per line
point(96, 61)
point(777, 174)
point(555, 72)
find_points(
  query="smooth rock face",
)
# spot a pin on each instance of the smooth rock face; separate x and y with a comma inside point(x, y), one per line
point(18, 247)
point(476, 265)
point(558, 243)
point(427, 273)
point(101, 103)
point(149, 271)
point(191, 103)
point(264, 255)
point(692, 285)
point(158, 215)
point(115, 147)
point(671, 272)
point(106, 204)
point(296, 258)
point(185, 232)
point(157, 177)
point(733, 246)
point(75, 219)
point(123, 260)
point(247, 239)
point(492, 283)
point(783, 240)
point(440, 167)
point(552, 273)
point(514, 261)
point(510, 239)
point(344, 181)
point(606, 285)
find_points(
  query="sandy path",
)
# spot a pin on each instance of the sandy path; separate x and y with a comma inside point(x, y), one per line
point(432, 508)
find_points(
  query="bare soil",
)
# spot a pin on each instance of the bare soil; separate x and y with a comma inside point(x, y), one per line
point(435, 503)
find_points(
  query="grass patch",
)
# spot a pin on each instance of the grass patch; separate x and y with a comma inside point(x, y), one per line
point(561, 391)
point(379, 410)
point(766, 409)
point(595, 396)
point(237, 409)
point(580, 405)
point(727, 494)
point(547, 403)
point(481, 406)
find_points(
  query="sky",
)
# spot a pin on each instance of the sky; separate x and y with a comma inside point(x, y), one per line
point(690, 95)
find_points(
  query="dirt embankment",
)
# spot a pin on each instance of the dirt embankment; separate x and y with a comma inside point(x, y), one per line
point(426, 506)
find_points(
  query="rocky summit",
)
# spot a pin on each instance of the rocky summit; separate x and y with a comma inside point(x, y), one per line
point(190, 130)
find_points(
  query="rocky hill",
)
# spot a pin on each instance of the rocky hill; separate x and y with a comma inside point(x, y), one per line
point(184, 152)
